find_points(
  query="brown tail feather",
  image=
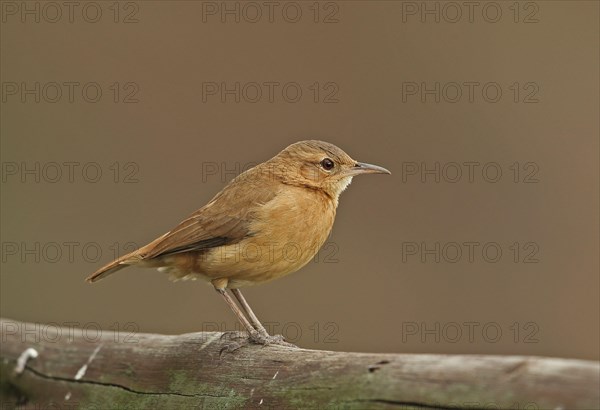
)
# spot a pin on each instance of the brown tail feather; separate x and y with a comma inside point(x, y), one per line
point(112, 267)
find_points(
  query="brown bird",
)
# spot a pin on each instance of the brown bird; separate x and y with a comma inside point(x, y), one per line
point(266, 223)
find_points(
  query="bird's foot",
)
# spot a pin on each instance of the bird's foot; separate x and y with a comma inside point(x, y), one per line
point(235, 341)
point(265, 339)
point(232, 335)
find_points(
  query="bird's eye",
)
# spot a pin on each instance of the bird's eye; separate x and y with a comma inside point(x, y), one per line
point(327, 164)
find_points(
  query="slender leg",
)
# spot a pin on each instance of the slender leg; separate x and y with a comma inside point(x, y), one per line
point(276, 339)
point(253, 319)
point(257, 332)
point(251, 330)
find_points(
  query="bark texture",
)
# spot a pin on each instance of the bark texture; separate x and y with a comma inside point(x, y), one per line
point(145, 371)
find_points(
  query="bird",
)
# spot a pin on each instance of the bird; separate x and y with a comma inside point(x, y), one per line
point(266, 223)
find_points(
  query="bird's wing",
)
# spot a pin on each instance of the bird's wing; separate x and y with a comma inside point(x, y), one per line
point(223, 221)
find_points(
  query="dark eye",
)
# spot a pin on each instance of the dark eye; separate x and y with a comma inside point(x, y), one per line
point(327, 164)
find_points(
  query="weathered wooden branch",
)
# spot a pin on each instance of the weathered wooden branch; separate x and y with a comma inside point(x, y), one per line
point(116, 370)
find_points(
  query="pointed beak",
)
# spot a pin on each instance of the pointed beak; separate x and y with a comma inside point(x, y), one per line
point(362, 168)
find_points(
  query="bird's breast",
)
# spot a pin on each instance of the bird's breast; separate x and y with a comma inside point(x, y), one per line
point(285, 234)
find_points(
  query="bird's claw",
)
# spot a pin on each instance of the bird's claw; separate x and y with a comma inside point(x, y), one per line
point(232, 347)
point(266, 339)
point(232, 335)
point(237, 340)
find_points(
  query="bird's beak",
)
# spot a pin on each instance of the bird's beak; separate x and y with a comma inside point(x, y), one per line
point(362, 168)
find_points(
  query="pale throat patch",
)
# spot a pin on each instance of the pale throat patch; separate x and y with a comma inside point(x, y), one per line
point(343, 184)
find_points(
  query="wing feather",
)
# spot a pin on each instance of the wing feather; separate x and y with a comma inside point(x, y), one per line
point(224, 220)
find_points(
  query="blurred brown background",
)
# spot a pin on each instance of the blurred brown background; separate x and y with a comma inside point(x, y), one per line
point(190, 97)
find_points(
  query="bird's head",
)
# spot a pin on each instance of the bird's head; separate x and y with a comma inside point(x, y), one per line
point(320, 165)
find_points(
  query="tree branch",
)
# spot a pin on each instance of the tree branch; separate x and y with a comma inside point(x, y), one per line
point(115, 370)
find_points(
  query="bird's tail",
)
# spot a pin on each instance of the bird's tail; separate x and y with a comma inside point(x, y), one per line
point(116, 265)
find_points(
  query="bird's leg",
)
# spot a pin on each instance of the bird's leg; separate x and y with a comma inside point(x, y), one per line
point(243, 320)
point(253, 319)
point(255, 335)
point(277, 339)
